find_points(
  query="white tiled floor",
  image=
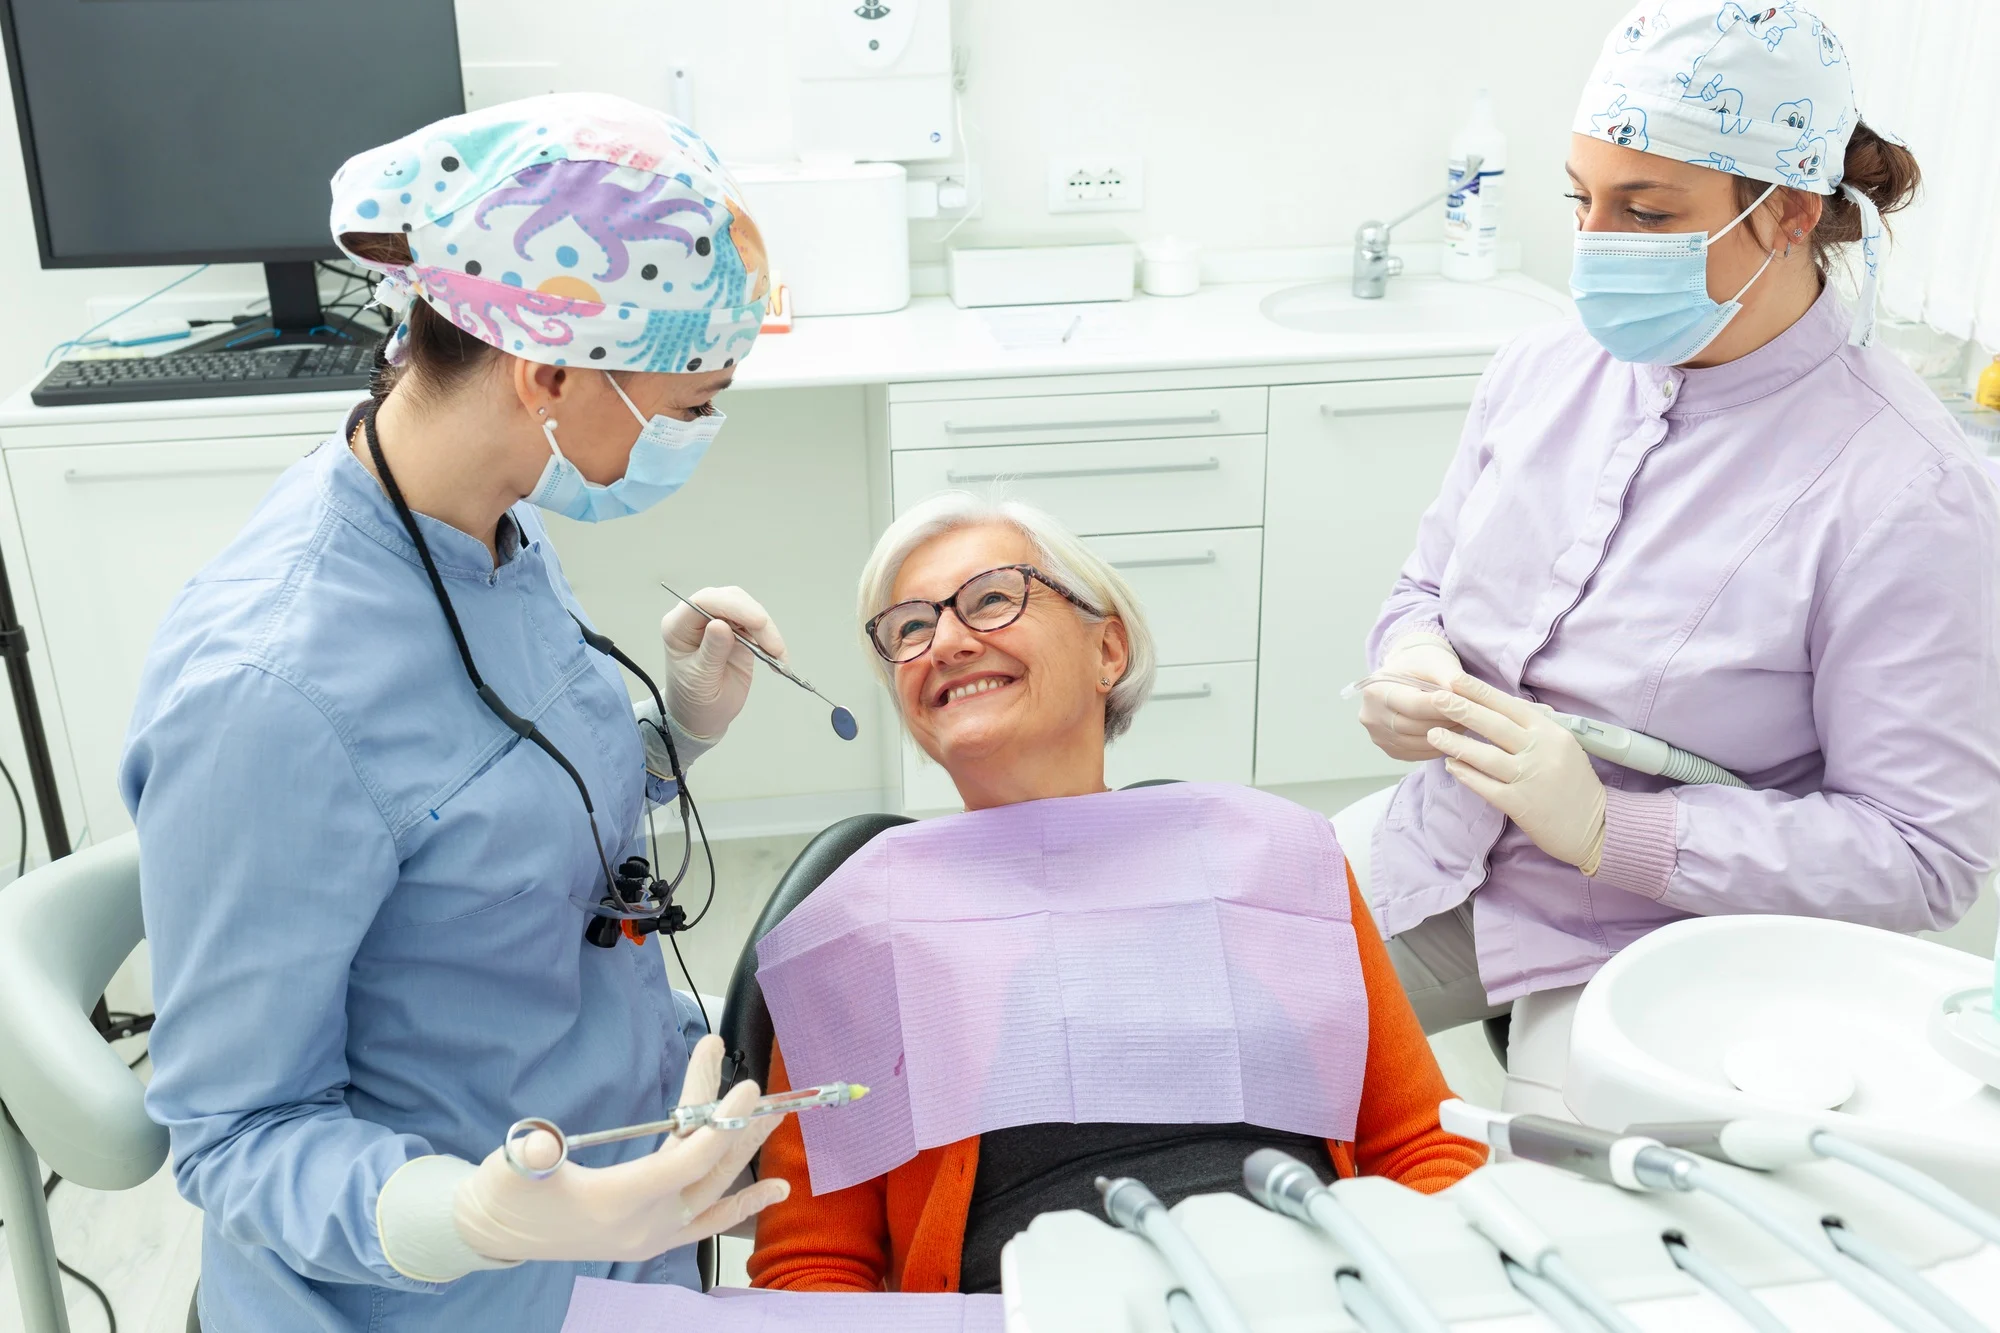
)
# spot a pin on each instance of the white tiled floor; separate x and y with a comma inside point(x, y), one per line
point(143, 1246)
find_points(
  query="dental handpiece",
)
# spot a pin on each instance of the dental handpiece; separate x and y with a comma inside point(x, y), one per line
point(1286, 1185)
point(685, 1120)
point(1134, 1207)
point(1613, 744)
point(1767, 1145)
point(1639, 1162)
point(844, 725)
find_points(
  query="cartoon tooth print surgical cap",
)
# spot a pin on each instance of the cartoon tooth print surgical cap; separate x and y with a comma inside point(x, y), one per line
point(1758, 90)
point(573, 229)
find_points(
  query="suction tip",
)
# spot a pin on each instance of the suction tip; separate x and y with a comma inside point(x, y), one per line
point(844, 725)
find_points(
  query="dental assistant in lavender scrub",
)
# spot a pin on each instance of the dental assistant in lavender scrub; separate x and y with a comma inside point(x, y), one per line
point(377, 896)
point(1710, 511)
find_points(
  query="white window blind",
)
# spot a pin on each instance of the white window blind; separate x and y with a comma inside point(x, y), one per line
point(1928, 73)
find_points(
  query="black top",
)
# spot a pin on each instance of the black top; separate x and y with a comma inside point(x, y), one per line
point(1034, 1169)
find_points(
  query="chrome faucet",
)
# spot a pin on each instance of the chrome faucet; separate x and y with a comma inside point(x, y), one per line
point(1373, 264)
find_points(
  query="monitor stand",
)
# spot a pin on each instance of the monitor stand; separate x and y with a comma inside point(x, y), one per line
point(296, 318)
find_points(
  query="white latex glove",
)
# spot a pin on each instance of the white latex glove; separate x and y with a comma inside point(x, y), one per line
point(708, 672)
point(1400, 718)
point(635, 1210)
point(1534, 772)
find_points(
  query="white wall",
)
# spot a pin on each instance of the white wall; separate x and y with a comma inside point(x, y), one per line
point(1261, 123)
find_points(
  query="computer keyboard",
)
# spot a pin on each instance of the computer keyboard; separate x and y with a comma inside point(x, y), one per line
point(298, 369)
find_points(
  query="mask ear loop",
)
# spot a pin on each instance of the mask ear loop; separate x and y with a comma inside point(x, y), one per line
point(1755, 204)
point(1769, 255)
point(630, 406)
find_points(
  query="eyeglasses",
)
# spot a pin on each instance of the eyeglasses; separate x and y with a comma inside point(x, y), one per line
point(983, 603)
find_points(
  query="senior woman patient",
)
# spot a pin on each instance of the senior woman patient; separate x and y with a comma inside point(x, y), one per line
point(1014, 655)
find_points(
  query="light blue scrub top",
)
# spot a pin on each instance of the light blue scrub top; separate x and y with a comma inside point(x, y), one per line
point(358, 890)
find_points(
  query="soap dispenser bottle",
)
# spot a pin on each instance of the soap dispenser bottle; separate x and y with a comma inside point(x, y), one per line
point(1472, 209)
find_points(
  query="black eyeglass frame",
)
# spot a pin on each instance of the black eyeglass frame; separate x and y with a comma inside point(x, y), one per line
point(951, 602)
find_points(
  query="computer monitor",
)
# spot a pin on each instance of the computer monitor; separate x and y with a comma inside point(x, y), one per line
point(184, 131)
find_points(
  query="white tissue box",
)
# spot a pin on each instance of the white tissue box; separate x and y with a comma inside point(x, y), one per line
point(1051, 272)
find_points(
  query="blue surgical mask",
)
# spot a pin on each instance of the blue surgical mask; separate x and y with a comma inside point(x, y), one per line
point(662, 461)
point(1644, 296)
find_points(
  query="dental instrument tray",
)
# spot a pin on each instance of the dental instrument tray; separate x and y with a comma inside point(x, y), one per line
point(1072, 1272)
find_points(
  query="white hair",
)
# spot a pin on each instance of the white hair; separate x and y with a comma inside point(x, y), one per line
point(1058, 553)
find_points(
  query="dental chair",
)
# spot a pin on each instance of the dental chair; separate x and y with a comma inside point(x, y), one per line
point(746, 1019)
point(66, 1098)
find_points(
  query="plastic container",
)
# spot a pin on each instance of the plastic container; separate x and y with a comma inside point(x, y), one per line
point(1169, 267)
point(1472, 215)
point(1988, 392)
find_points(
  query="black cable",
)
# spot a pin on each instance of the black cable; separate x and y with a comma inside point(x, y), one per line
point(20, 813)
point(519, 725)
point(110, 1316)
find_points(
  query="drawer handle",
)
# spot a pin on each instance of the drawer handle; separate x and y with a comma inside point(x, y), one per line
point(85, 475)
point(1201, 691)
point(1213, 415)
point(957, 478)
point(1165, 561)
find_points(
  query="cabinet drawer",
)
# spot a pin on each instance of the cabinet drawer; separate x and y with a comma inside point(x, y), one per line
point(1199, 726)
point(113, 533)
point(1117, 486)
point(1198, 590)
point(1084, 416)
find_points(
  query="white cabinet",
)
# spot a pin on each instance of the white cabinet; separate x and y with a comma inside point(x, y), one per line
point(1351, 468)
point(114, 531)
point(1199, 590)
point(1167, 485)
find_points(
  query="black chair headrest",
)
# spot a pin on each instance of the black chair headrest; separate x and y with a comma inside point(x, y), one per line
point(746, 1022)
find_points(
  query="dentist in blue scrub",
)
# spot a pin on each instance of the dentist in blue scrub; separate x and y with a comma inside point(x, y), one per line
point(387, 777)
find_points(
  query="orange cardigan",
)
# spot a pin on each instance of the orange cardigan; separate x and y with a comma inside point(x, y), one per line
point(904, 1231)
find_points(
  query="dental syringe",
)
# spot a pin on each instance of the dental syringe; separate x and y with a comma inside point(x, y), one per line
point(1613, 744)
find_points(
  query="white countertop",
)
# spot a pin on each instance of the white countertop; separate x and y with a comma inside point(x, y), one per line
point(932, 339)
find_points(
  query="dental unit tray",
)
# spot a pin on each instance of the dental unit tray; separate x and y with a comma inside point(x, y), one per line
point(1070, 1272)
point(1613, 744)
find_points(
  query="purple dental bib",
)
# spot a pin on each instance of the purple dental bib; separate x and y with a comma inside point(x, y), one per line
point(1180, 954)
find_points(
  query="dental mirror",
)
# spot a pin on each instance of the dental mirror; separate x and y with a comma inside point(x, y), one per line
point(844, 725)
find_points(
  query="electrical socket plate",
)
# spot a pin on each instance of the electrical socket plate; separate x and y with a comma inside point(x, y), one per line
point(1109, 183)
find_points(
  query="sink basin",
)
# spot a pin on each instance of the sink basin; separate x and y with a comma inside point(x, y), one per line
point(1413, 306)
point(1673, 1026)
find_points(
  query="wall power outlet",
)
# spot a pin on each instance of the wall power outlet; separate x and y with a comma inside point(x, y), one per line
point(1111, 183)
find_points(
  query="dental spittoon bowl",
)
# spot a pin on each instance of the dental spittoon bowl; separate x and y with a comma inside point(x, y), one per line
point(1781, 1016)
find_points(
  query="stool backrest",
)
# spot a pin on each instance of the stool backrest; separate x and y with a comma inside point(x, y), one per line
point(64, 930)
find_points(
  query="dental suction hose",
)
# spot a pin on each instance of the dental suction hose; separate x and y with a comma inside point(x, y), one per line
point(1642, 753)
point(1613, 744)
point(1286, 1185)
point(1132, 1206)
